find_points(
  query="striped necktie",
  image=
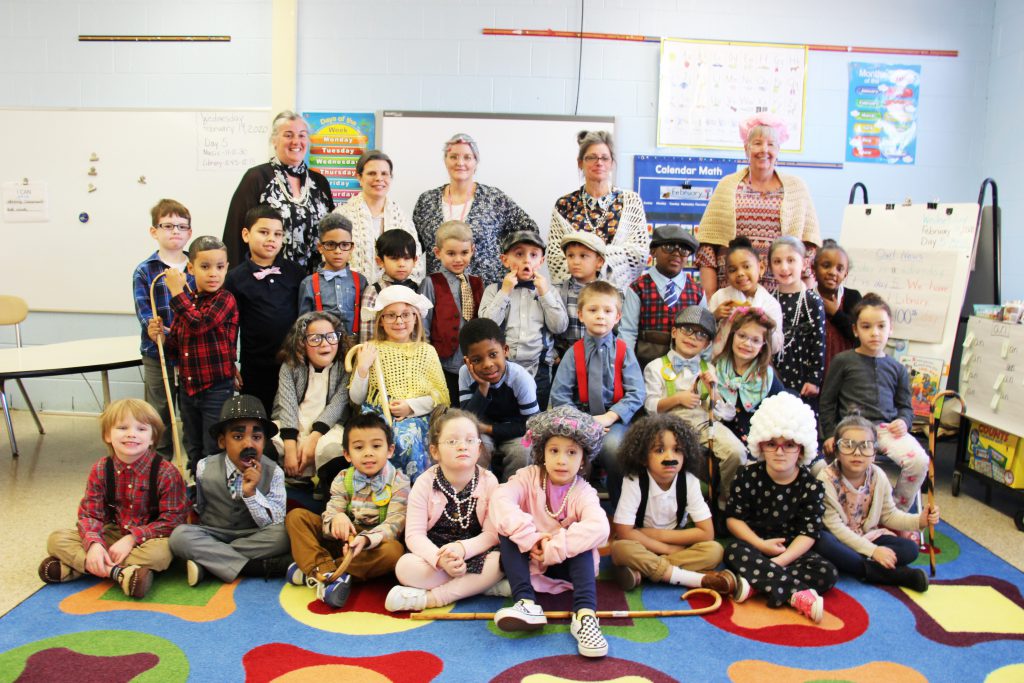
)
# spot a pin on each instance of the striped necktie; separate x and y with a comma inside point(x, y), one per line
point(671, 294)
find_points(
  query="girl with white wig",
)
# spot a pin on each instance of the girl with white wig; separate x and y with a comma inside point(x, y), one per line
point(775, 511)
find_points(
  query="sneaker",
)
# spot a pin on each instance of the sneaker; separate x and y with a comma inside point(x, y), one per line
point(195, 572)
point(525, 615)
point(627, 578)
point(743, 590)
point(294, 575)
point(586, 629)
point(502, 589)
point(406, 599)
point(52, 570)
point(723, 583)
point(135, 581)
point(335, 593)
point(809, 603)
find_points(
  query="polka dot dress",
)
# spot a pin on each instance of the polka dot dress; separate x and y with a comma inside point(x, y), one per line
point(802, 358)
point(775, 511)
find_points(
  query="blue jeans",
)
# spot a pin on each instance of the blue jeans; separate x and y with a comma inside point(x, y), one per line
point(578, 570)
point(198, 414)
point(849, 561)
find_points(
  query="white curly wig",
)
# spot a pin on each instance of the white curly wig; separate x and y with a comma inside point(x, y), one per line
point(784, 416)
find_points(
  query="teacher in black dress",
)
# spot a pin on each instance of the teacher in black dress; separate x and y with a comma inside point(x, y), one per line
point(301, 196)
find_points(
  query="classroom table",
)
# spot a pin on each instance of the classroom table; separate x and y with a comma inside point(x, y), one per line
point(63, 358)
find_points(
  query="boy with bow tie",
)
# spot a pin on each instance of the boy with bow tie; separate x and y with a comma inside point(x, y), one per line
point(335, 287)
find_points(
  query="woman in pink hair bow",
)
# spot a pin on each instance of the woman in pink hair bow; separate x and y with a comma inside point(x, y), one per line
point(756, 202)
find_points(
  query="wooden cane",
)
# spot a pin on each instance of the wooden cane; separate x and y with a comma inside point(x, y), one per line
point(933, 417)
point(712, 489)
point(607, 614)
point(379, 372)
point(178, 459)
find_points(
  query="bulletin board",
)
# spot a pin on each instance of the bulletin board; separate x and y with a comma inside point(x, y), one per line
point(919, 259)
point(112, 166)
point(706, 88)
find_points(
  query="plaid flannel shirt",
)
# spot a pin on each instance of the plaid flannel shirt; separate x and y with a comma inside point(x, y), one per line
point(203, 338)
point(141, 280)
point(131, 501)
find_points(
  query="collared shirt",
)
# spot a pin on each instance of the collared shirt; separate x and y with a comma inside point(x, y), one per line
point(265, 510)
point(453, 363)
point(141, 280)
point(529, 321)
point(631, 303)
point(564, 390)
point(370, 293)
point(203, 338)
point(508, 403)
point(363, 512)
point(131, 501)
point(569, 293)
point(266, 308)
point(686, 369)
point(337, 296)
point(660, 512)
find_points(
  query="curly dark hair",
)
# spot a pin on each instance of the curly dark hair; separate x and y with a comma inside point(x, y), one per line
point(645, 434)
point(293, 348)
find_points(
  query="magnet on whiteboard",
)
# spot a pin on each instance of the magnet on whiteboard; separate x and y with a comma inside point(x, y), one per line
point(142, 180)
point(94, 157)
point(968, 340)
point(999, 381)
point(967, 357)
point(92, 188)
point(92, 170)
point(1004, 350)
point(995, 402)
point(83, 217)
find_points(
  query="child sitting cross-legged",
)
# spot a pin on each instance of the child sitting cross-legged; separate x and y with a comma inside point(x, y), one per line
point(775, 511)
point(365, 516)
point(661, 458)
point(240, 500)
point(550, 525)
point(452, 543)
point(133, 500)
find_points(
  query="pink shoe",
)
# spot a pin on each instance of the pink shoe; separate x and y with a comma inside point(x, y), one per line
point(809, 603)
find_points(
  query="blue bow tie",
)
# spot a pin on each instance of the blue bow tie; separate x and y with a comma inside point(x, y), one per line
point(331, 274)
point(692, 364)
point(377, 482)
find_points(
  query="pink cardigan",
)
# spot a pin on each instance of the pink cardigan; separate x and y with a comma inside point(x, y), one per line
point(518, 511)
point(426, 505)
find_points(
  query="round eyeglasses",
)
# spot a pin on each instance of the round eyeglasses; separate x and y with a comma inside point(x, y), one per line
point(318, 339)
point(849, 446)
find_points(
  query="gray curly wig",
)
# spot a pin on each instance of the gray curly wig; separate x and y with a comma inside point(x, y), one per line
point(564, 421)
point(784, 416)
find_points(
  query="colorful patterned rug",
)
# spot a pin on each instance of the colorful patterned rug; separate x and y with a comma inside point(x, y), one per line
point(967, 627)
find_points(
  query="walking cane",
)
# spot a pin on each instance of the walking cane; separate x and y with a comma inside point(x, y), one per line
point(606, 614)
point(178, 460)
point(933, 417)
point(378, 372)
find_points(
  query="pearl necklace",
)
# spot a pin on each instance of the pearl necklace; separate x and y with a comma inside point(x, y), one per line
point(282, 182)
point(462, 519)
point(565, 499)
point(801, 304)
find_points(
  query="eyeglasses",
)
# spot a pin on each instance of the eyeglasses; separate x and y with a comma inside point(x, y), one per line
point(674, 248)
point(697, 332)
point(392, 317)
point(174, 227)
point(335, 246)
point(455, 443)
point(594, 158)
point(747, 339)
point(789, 448)
point(318, 339)
point(849, 446)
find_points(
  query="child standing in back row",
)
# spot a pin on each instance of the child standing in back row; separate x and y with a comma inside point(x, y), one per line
point(831, 266)
point(584, 259)
point(397, 256)
point(335, 287)
point(743, 271)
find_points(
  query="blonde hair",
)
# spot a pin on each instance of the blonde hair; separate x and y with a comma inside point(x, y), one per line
point(135, 408)
point(378, 323)
point(598, 288)
point(453, 230)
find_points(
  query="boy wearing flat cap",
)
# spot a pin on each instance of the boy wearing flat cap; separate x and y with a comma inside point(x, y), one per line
point(656, 297)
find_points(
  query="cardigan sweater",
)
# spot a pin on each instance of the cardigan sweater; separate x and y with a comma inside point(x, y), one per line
point(291, 389)
point(364, 239)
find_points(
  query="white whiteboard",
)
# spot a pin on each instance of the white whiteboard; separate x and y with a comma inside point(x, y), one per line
point(63, 264)
point(532, 159)
point(992, 374)
point(904, 233)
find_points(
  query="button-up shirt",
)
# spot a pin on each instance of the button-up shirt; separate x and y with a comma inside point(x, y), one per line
point(529, 321)
point(203, 338)
point(564, 389)
point(631, 303)
point(265, 509)
point(337, 296)
point(141, 280)
point(267, 308)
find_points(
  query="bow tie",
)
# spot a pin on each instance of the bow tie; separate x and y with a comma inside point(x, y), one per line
point(263, 272)
point(691, 364)
point(377, 482)
point(525, 284)
point(331, 274)
point(410, 283)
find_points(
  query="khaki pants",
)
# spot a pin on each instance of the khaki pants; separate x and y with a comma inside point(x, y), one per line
point(66, 546)
point(698, 557)
point(315, 552)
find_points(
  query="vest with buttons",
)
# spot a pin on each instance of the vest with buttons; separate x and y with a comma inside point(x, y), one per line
point(654, 314)
point(219, 509)
point(447, 318)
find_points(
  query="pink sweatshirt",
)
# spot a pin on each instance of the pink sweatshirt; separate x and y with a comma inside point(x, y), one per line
point(518, 511)
point(426, 505)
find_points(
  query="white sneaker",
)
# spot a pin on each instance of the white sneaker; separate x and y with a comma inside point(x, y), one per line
point(502, 589)
point(586, 629)
point(406, 599)
point(525, 615)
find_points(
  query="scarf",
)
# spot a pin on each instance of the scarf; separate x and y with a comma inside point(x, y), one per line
point(750, 388)
point(298, 171)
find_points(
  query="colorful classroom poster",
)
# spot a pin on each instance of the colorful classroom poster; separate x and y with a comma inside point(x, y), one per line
point(925, 380)
point(677, 189)
point(882, 113)
point(336, 141)
point(707, 88)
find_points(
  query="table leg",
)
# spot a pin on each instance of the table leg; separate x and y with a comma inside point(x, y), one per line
point(7, 418)
point(106, 388)
point(31, 408)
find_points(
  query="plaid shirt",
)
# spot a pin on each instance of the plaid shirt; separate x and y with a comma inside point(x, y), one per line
point(569, 291)
point(141, 280)
point(364, 513)
point(203, 338)
point(131, 501)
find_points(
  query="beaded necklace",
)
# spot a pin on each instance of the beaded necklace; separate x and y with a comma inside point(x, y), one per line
point(463, 519)
point(801, 305)
point(565, 499)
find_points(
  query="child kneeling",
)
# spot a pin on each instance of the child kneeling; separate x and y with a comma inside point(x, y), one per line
point(654, 507)
point(550, 524)
point(775, 510)
point(365, 516)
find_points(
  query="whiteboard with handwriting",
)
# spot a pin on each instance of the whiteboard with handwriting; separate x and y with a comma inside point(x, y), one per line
point(112, 166)
point(919, 259)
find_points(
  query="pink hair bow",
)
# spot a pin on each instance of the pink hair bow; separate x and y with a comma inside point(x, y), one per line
point(764, 119)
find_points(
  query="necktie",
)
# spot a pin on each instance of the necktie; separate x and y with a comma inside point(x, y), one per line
point(263, 272)
point(466, 293)
point(235, 485)
point(671, 294)
point(331, 274)
point(595, 381)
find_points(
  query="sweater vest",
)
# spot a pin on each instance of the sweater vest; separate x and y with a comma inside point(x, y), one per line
point(654, 314)
point(447, 319)
point(219, 509)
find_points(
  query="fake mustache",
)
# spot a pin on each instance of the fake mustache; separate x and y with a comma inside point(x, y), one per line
point(669, 463)
point(248, 454)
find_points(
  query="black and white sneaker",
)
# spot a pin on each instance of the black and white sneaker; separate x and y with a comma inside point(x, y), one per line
point(525, 615)
point(586, 629)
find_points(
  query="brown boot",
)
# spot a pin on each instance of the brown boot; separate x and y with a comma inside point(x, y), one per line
point(134, 580)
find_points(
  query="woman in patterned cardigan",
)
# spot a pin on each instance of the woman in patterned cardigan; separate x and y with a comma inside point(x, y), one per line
point(758, 203)
point(488, 210)
point(613, 214)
